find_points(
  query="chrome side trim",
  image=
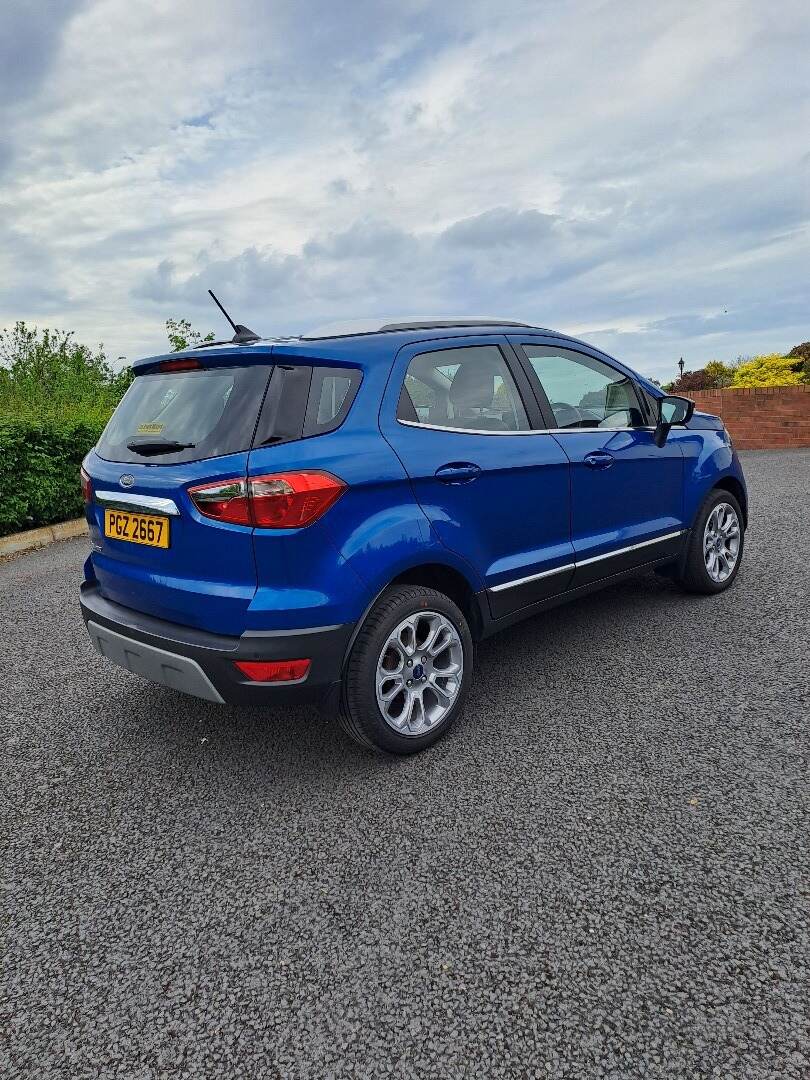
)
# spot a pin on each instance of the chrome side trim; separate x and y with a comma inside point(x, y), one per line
point(530, 431)
point(631, 547)
point(585, 562)
point(533, 577)
point(471, 431)
point(595, 430)
point(126, 500)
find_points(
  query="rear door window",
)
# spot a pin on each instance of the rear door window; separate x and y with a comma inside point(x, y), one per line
point(186, 415)
point(467, 388)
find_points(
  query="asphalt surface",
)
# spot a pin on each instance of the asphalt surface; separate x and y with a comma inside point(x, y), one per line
point(602, 872)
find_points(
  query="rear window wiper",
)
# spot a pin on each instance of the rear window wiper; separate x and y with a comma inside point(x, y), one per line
point(157, 446)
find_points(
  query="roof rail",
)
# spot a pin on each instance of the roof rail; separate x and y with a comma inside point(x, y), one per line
point(413, 322)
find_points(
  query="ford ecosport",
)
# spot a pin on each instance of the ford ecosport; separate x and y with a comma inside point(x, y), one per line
point(339, 517)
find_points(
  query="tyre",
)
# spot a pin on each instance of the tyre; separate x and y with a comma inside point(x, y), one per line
point(715, 548)
point(409, 671)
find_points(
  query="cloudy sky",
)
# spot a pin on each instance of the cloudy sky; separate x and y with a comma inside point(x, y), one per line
point(635, 173)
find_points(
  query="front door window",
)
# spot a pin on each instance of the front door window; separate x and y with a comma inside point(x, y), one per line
point(584, 392)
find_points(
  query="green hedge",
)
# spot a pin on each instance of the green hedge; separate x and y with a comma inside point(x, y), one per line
point(39, 470)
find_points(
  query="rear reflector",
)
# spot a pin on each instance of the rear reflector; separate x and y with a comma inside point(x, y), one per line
point(273, 670)
point(87, 486)
point(179, 365)
point(277, 501)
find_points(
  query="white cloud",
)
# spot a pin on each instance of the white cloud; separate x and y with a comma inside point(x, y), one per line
point(634, 173)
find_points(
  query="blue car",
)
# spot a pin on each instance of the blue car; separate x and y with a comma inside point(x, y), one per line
point(339, 518)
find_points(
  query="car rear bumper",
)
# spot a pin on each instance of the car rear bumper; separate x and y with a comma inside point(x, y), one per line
point(202, 664)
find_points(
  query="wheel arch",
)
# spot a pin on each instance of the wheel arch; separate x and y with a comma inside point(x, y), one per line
point(446, 579)
point(732, 485)
point(433, 575)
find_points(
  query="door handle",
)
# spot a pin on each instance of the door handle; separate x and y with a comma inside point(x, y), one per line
point(458, 472)
point(599, 459)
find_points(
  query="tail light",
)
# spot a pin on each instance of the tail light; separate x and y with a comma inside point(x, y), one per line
point(87, 486)
point(226, 501)
point(277, 501)
point(292, 500)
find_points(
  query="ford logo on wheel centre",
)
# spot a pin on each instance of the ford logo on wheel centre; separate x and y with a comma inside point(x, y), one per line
point(126, 480)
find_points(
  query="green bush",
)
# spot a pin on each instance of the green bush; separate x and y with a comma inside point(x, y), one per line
point(56, 396)
point(45, 374)
point(39, 470)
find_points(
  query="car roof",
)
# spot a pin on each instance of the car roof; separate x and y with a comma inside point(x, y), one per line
point(362, 343)
point(364, 336)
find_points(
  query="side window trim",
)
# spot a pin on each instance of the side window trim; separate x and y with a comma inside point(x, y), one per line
point(513, 366)
point(292, 382)
point(290, 408)
point(533, 407)
point(544, 412)
point(319, 375)
point(650, 404)
point(545, 404)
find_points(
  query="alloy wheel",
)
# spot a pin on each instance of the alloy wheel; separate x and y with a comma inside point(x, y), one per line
point(419, 673)
point(721, 542)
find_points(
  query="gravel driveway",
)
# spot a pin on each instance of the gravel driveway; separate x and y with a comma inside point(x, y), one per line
point(602, 872)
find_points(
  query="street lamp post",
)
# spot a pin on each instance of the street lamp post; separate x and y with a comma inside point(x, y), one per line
point(680, 367)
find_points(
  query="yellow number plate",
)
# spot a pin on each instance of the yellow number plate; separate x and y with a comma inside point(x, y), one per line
point(137, 528)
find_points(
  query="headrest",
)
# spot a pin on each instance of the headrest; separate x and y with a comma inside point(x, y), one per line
point(473, 386)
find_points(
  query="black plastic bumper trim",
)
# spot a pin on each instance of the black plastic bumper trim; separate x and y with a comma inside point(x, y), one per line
point(324, 646)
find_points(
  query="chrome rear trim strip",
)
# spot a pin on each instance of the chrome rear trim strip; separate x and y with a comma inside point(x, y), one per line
point(127, 500)
point(533, 577)
point(586, 562)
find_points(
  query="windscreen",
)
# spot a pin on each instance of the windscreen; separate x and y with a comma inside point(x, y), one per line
point(186, 415)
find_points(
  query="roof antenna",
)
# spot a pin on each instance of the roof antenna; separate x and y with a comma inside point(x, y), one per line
point(241, 334)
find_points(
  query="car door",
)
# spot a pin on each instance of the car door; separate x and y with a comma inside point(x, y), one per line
point(627, 505)
point(462, 418)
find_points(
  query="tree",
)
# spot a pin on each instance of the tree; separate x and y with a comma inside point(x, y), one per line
point(716, 374)
point(182, 335)
point(769, 370)
point(690, 380)
point(802, 353)
point(47, 373)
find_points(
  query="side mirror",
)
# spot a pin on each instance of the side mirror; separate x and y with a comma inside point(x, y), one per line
point(672, 410)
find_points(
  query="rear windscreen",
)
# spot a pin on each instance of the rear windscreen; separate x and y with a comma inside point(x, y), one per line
point(186, 415)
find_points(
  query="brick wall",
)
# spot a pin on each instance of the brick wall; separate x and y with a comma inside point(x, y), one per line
point(764, 418)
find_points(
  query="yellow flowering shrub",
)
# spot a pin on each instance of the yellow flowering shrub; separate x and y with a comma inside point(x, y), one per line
point(769, 370)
